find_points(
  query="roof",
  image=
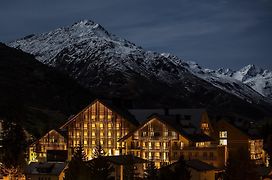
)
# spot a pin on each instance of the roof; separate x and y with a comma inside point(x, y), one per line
point(200, 165)
point(192, 116)
point(193, 164)
point(121, 111)
point(124, 159)
point(176, 124)
point(59, 132)
point(48, 168)
point(247, 126)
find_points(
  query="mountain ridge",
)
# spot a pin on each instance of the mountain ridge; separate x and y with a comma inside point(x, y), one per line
point(114, 67)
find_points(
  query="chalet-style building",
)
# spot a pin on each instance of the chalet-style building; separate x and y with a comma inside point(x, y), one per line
point(235, 133)
point(51, 141)
point(99, 123)
point(163, 139)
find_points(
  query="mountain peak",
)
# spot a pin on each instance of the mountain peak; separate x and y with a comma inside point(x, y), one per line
point(88, 53)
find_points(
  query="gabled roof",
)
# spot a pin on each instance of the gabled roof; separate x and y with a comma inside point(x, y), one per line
point(123, 112)
point(124, 159)
point(245, 126)
point(175, 124)
point(46, 168)
point(60, 133)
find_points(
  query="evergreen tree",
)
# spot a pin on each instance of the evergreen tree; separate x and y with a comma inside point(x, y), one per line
point(98, 152)
point(151, 171)
point(77, 168)
point(239, 166)
point(181, 170)
point(14, 141)
point(98, 167)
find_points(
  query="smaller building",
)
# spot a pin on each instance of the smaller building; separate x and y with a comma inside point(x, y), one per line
point(45, 171)
point(235, 133)
point(163, 139)
point(53, 140)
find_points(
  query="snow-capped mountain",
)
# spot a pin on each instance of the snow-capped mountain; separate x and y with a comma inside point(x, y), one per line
point(114, 66)
point(259, 79)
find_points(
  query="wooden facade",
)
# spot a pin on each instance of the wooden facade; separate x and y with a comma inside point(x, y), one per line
point(163, 143)
point(52, 140)
point(228, 135)
point(99, 123)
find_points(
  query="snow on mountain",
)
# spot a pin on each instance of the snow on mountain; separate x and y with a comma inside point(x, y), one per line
point(260, 80)
point(88, 53)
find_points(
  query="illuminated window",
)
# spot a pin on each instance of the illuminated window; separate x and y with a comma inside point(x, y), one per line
point(165, 133)
point(152, 133)
point(223, 142)
point(101, 125)
point(150, 145)
point(223, 134)
point(164, 145)
point(85, 133)
point(85, 125)
point(204, 125)
point(109, 134)
point(101, 133)
point(174, 134)
point(101, 117)
point(109, 142)
point(101, 142)
point(157, 144)
point(93, 142)
point(144, 133)
point(200, 144)
point(109, 116)
point(93, 117)
point(109, 125)
point(93, 125)
point(118, 134)
point(117, 125)
point(93, 133)
point(85, 142)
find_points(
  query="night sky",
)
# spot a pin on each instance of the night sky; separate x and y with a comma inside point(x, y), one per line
point(214, 33)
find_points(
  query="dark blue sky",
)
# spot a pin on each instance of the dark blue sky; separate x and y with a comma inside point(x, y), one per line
point(214, 33)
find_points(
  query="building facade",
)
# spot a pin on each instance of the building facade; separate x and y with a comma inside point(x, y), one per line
point(236, 134)
point(99, 123)
point(163, 140)
point(53, 140)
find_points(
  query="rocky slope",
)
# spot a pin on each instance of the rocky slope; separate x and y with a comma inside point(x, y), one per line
point(39, 95)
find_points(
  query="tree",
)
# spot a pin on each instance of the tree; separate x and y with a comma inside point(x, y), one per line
point(151, 171)
point(181, 170)
point(99, 168)
point(240, 166)
point(77, 168)
point(14, 140)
